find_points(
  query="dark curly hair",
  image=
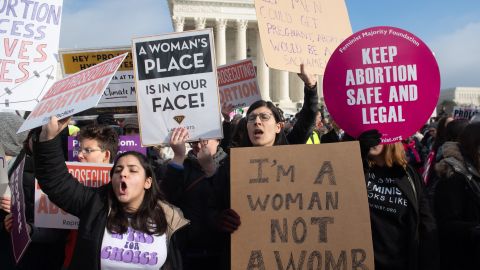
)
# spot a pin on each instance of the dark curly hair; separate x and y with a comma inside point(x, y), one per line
point(280, 138)
point(149, 217)
point(106, 137)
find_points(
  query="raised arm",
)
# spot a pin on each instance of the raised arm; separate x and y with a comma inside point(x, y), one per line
point(52, 174)
point(303, 127)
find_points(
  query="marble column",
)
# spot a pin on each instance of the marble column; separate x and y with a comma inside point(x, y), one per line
point(220, 42)
point(281, 88)
point(241, 31)
point(296, 88)
point(199, 23)
point(263, 72)
point(178, 23)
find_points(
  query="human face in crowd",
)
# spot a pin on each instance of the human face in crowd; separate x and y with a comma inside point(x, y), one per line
point(129, 182)
point(318, 121)
point(211, 145)
point(376, 151)
point(262, 127)
point(90, 151)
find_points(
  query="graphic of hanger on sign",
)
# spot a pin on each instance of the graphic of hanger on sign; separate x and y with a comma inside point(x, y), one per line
point(30, 85)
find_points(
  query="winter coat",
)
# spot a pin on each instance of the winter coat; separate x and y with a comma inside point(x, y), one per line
point(423, 241)
point(457, 209)
point(91, 206)
point(197, 196)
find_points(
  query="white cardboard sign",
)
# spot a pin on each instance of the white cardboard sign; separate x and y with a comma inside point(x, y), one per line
point(73, 94)
point(29, 33)
point(176, 84)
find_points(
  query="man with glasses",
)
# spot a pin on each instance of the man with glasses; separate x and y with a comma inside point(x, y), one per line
point(98, 144)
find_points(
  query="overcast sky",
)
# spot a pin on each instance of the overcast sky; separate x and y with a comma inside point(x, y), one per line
point(450, 28)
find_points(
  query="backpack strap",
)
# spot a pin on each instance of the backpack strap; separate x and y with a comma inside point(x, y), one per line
point(194, 183)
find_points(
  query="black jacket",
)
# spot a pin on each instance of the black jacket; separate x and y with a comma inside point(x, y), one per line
point(201, 199)
point(423, 241)
point(90, 205)
point(457, 209)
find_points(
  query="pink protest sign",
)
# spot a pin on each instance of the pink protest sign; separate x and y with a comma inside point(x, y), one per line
point(382, 78)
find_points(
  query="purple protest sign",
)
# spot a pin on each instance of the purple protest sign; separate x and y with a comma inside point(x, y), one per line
point(125, 143)
point(382, 78)
point(19, 234)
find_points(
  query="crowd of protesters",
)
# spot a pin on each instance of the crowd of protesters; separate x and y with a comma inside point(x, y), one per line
point(176, 201)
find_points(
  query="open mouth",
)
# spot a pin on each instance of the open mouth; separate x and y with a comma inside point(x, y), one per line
point(123, 187)
point(258, 132)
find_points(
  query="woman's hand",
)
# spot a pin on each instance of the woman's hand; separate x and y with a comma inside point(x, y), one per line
point(53, 128)
point(8, 222)
point(5, 203)
point(228, 221)
point(310, 80)
point(177, 143)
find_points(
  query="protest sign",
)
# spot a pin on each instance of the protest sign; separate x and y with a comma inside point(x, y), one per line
point(382, 78)
point(296, 32)
point(465, 112)
point(120, 92)
point(19, 233)
point(48, 215)
point(237, 84)
point(28, 51)
point(74, 94)
point(297, 214)
point(4, 188)
point(125, 143)
point(176, 84)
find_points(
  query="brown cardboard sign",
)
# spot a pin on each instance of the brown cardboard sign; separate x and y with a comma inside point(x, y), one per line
point(301, 207)
point(301, 31)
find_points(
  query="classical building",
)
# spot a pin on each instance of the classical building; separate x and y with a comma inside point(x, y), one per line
point(461, 95)
point(236, 37)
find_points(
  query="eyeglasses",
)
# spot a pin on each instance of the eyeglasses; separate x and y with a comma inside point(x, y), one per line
point(87, 151)
point(264, 117)
point(194, 143)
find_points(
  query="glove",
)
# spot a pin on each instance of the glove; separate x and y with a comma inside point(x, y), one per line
point(228, 221)
point(368, 139)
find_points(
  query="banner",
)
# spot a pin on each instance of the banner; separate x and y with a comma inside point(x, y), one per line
point(297, 214)
point(382, 78)
point(48, 215)
point(296, 32)
point(73, 94)
point(19, 234)
point(465, 112)
point(237, 84)
point(125, 143)
point(120, 92)
point(176, 84)
point(28, 51)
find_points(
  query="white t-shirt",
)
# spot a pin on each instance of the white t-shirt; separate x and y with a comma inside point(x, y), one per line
point(132, 250)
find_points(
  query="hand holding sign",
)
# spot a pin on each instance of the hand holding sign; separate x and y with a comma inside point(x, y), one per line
point(5, 203)
point(309, 79)
point(8, 224)
point(177, 143)
point(228, 221)
point(53, 128)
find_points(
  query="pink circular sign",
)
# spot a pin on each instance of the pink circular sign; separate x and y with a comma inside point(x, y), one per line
point(382, 78)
